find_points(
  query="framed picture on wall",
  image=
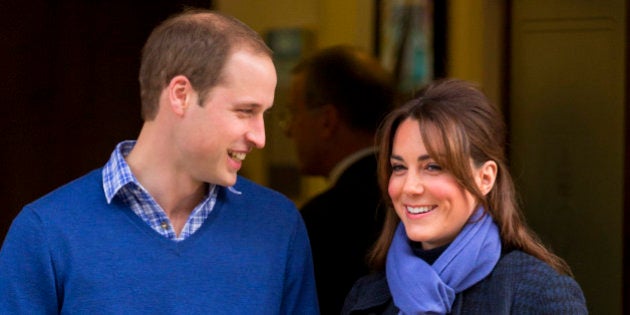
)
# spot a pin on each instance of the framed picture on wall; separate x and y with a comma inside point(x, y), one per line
point(410, 40)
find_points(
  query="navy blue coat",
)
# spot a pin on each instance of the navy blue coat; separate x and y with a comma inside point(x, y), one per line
point(519, 284)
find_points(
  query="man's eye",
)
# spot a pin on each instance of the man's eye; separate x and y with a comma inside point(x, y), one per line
point(245, 111)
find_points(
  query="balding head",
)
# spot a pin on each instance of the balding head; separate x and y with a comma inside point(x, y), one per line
point(195, 44)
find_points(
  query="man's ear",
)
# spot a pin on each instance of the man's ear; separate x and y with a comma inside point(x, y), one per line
point(330, 118)
point(180, 94)
point(486, 176)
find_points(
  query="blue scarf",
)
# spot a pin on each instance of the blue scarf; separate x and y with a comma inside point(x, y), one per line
point(420, 288)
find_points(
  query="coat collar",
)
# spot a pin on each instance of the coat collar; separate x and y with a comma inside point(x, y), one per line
point(375, 292)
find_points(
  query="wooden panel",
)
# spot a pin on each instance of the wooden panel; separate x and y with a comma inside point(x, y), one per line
point(70, 89)
point(567, 135)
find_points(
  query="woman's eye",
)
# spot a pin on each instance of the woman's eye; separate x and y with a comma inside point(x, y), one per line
point(397, 168)
point(433, 167)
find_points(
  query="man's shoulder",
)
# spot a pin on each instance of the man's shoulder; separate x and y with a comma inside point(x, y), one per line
point(247, 192)
point(253, 207)
point(77, 191)
point(364, 169)
point(67, 204)
point(356, 192)
point(246, 186)
point(358, 183)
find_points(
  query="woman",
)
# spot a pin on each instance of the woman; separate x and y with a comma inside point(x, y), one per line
point(454, 240)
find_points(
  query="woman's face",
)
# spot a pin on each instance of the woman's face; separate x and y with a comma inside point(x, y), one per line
point(430, 203)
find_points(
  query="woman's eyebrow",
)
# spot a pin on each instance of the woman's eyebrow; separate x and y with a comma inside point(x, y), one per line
point(421, 158)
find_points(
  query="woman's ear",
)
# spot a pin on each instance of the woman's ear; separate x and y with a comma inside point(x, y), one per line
point(486, 176)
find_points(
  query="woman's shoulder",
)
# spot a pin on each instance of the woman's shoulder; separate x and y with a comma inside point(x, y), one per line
point(370, 289)
point(517, 262)
point(524, 268)
point(533, 286)
point(369, 295)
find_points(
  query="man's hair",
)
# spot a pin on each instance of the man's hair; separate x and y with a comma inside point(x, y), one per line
point(351, 80)
point(195, 44)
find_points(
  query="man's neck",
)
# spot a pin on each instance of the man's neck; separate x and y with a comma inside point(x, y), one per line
point(176, 193)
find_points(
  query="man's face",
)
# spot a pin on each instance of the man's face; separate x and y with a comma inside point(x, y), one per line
point(303, 128)
point(213, 139)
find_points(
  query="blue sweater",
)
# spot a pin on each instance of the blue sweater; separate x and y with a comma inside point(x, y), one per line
point(70, 252)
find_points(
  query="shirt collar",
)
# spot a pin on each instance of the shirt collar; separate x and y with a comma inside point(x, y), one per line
point(346, 162)
point(116, 172)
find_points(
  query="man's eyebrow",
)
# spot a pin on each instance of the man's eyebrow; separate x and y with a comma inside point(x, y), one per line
point(248, 105)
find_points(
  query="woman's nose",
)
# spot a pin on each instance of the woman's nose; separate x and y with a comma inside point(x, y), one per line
point(413, 185)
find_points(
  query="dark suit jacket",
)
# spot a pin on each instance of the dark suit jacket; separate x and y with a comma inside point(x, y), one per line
point(343, 223)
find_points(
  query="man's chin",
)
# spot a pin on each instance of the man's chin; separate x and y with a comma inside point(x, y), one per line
point(226, 181)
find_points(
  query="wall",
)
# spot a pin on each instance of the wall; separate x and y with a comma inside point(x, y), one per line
point(475, 44)
point(567, 108)
point(333, 22)
point(330, 22)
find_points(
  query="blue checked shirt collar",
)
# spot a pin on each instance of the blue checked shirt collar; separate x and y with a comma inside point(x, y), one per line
point(118, 181)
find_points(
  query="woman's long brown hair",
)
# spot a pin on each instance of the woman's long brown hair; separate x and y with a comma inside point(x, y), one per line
point(458, 124)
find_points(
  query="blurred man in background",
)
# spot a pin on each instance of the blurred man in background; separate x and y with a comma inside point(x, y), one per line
point(338, 98)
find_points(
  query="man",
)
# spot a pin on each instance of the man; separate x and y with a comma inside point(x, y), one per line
point(167, 226)
point(338, 97)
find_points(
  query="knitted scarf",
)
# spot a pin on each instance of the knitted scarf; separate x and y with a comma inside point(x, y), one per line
point(420, 288)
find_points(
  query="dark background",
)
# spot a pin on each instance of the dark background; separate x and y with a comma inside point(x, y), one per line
point(69, 88)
